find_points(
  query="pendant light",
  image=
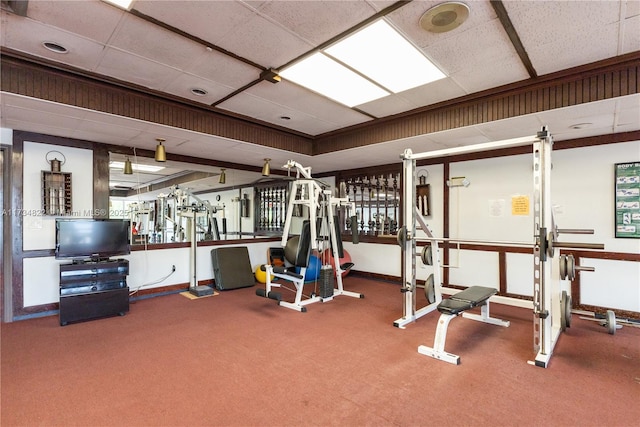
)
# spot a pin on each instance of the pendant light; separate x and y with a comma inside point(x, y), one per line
point(266, 170)
point(161, 154)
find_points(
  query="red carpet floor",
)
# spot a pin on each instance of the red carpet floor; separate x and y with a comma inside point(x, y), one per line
point(239, 360)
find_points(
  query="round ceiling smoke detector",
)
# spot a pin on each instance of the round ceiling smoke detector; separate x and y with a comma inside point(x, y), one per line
point(444, 17)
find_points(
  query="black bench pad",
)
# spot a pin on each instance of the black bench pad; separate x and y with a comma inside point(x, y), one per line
point(469, 298)
point(288, 272)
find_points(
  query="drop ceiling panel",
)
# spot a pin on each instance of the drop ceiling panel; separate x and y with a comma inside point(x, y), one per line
point(462, 137)
point(222, 69)
point(209, 20)
point(293, 97)
point(407, 20)
point(26, 35)
point(135, 69)
point(181, 86)
point(511, 128)
point(317, 21)
point(265, 110)
point(440, 90)
point(577, 32)
point(98, 18)
point(631, 32)
point(468, 52)
point(263, 42)
point(150, 41)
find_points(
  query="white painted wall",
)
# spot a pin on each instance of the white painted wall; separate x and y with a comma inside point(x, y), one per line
point(582, 187)
point(146, 269)
point(583, 197)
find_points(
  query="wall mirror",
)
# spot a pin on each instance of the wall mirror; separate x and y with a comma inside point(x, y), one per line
point(172, 202)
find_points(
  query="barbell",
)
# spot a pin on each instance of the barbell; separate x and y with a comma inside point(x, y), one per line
point(549, 242)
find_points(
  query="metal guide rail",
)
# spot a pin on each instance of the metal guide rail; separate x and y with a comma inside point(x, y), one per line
point(551, 303)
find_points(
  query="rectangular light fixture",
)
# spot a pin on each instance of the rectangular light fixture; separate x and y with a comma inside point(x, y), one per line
point(123, 4)
point(384, 55)
point(365, 66)
point(136, 167)
point(327, 77)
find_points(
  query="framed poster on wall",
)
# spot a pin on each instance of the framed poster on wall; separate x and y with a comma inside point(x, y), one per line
point(627, 193)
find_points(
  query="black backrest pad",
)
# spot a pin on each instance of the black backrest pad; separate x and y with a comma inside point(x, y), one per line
point(336, 225)
point(304, 245)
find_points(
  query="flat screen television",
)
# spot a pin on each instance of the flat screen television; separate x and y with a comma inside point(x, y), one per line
point(94, 239)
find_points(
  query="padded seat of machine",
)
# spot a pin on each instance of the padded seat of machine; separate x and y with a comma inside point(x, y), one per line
point(287, 271)
point(471, 297)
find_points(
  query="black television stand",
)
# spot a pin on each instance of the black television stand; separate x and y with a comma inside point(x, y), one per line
point(92, 289)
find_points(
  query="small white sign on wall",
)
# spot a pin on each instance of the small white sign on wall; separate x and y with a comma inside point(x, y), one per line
point(496, 207)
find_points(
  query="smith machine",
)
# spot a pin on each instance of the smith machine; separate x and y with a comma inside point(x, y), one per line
point(551, 296)
point(321, 205)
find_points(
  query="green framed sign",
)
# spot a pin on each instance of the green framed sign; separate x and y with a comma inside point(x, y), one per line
point(627, 192)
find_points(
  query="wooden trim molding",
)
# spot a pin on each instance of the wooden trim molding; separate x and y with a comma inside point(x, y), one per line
point(32, 77)
point(24, 77)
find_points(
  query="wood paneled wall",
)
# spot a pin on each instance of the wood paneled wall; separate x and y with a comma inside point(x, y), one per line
point(602, 80)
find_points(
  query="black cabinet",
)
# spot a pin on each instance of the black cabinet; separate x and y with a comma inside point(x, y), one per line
point(93, 289)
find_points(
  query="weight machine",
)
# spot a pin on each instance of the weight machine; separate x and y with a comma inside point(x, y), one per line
point(191, 211)
point(321, 206)
point(551, 303)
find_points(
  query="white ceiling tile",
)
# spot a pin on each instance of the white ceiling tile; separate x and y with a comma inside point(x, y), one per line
point(265, 110)
point(317, 21)
point(631, 34)
point(568, 34)
point(153, 42)
point(209, 20)
point(264, 43)
point(407, 20)
point(511, 128)
point(432, 93)
point(390, 104)
point(289, 96)
point(27, 35)
point(220, 68)
point(132, 68)
point(181, 86)
point(98, 19)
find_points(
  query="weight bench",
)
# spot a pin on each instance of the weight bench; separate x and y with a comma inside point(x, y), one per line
point(474, 296)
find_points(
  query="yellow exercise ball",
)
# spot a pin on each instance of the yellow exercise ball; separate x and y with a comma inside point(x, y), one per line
point(261, 275)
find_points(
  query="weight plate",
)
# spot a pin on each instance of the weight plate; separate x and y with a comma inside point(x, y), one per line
point(571, 267)
point(563, 267)
point(427, 258)
point(567, 310)
point(550, 242)
point(611, 322)
point(401, 237)
point(563, 308)
point(429, 289)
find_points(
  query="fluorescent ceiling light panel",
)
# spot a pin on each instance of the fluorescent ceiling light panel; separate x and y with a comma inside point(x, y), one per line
point(329, 78)
point(124, 4)
point(384, 55)
point(136, 167)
